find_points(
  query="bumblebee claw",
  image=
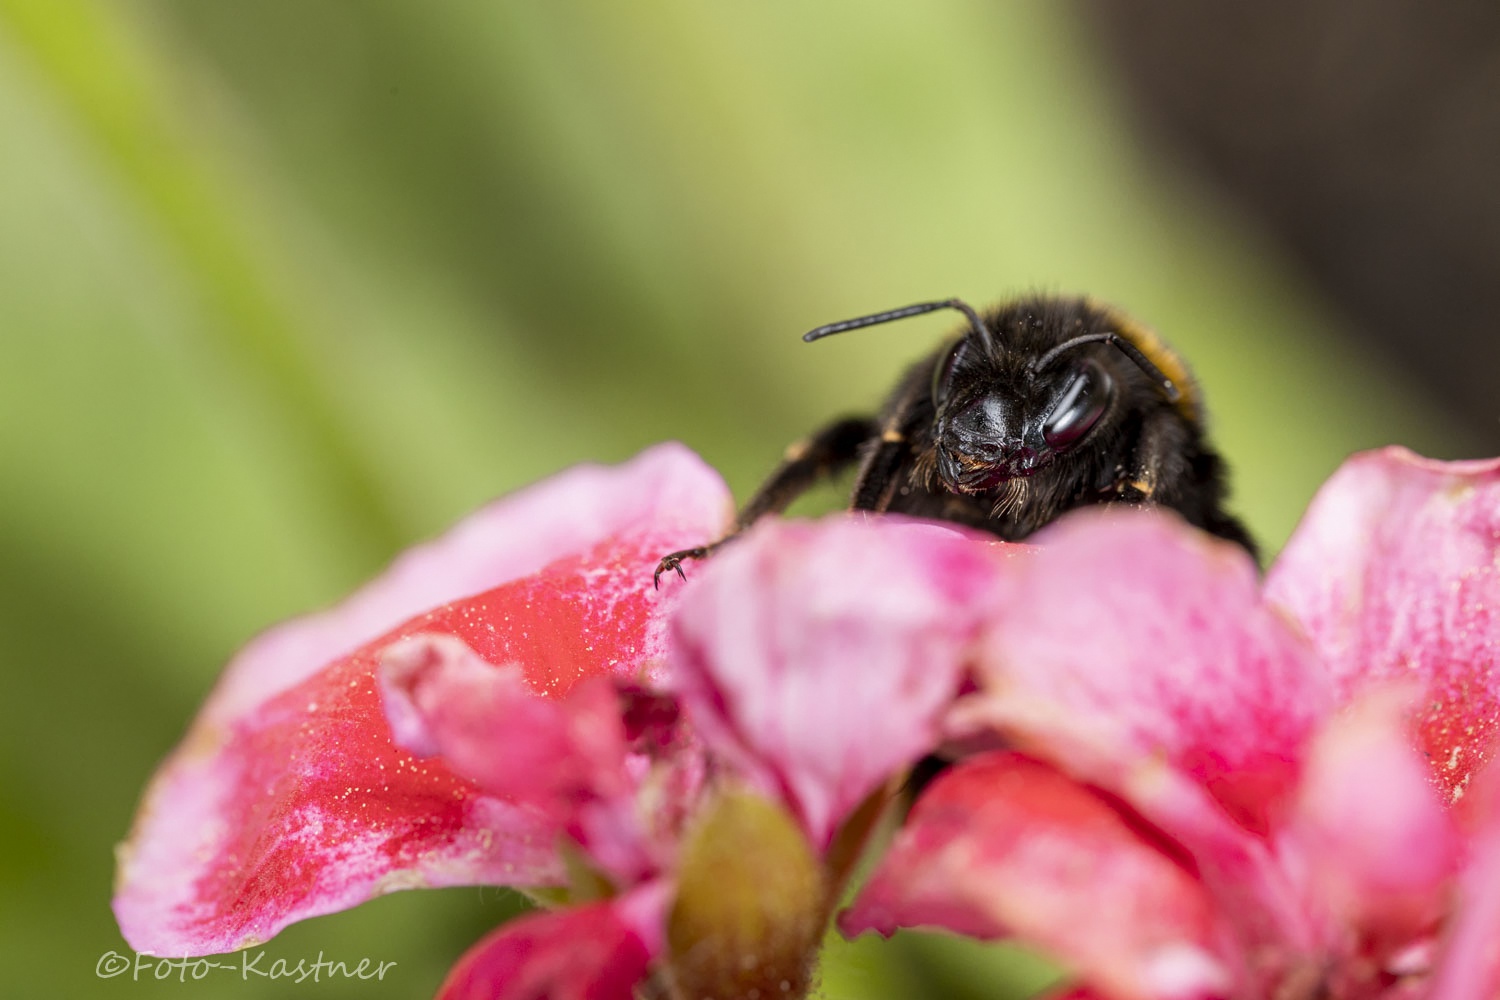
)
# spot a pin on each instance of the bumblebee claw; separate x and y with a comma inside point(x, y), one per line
point(673, 562)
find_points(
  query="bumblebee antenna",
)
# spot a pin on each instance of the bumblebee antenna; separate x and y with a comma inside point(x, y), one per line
point(1126, 347)
point(975, 323)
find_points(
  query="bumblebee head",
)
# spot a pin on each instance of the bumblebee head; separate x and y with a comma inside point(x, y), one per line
point(1004, 411)
point(1002, 418)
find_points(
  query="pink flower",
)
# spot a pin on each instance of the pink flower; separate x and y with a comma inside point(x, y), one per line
point(1202, 788)
point(1179, 783)
point(289, 798)
point(514, 727)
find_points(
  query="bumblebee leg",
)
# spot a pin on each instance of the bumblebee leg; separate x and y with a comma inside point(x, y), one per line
point(826, 453)
point(1160, 469)
point(876, 482)
point(672, 562)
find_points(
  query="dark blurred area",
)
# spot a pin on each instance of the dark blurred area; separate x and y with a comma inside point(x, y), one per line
point(1366, 137)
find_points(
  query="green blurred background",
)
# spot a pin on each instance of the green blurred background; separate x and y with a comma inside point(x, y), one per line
point(287, 286)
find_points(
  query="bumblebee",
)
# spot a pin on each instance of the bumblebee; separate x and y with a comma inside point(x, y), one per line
point(1034, 409)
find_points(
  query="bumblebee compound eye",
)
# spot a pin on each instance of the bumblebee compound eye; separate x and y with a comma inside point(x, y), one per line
point(1079, 408)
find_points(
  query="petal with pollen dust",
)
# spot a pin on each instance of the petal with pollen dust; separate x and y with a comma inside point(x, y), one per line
point(1470, 963)
point(1372, 834)
point(1395, 574)
point(564, 758)
point(288, 799)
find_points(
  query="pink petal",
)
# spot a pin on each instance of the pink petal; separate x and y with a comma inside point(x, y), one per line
point(562, 757)
point(817, 656)
point(1395, 574)
point(488, 724)
point(1470, 965)
point(665, 489)
point(1001, 845)
point(287, 798)
point(582, 953)
point(1131, 638)
point(1370, 835)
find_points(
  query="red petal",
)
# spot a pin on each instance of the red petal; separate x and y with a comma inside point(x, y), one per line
point(1470, 965)
point(287, 799)
point(1375, 841)
point(1131, 638)
point(818, 656)
point(490, 726)
point(563, 757)
point(581, 953)
point(1395, 574)
point(1001, 845)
